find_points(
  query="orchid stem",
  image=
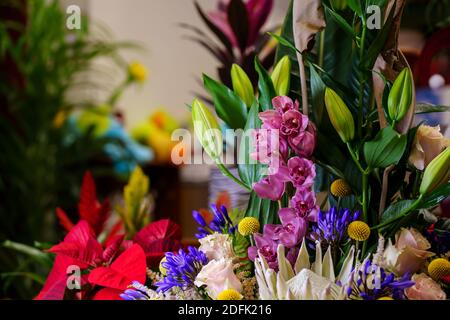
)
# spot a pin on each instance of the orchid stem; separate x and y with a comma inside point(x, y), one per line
point(303, 84)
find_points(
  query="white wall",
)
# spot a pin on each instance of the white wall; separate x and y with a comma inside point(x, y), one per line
point(175, 64)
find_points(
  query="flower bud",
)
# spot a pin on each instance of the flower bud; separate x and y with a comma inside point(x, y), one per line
point(400, 96)
point(338, 4)
point(281, 76)
point(340, 116)
point(242, 85)
point(437, 173)
point(137, 71)
point(207, 129)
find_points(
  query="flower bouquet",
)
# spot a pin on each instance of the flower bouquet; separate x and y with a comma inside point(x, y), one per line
point(344, 189)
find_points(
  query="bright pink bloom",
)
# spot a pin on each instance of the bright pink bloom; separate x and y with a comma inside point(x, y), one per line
point(271, 119)
point(305, 142)
point(283, 104)
point(302, 172)
point(303, 204)
point(293, 229)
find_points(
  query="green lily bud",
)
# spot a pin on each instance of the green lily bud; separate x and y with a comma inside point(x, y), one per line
point(437, 173)
point(338, 4)
point(207, 129)
point(400, 97)
point(242, 85)
point(281, 76)
point(340, 116)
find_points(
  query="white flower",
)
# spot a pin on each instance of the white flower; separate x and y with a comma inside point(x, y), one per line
point(218, 275)
point(217, 246)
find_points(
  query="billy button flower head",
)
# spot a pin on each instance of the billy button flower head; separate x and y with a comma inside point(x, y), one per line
point(340, 116)
point(162, 269)
point(242, 85)
point(229, 294)
point(281, 76)
point(358, 230)
point(400, 96)
point(340, 188)
point(439, 268)
point(248, 226)
point(137, 72)
point(437, 173)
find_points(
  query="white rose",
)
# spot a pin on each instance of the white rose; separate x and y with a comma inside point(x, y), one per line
point(218, 275)
point(217, 246)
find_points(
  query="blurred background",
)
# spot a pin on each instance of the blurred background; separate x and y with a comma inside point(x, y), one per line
point(105, 98)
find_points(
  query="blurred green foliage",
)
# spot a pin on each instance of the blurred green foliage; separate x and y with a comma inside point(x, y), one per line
point(44, 77)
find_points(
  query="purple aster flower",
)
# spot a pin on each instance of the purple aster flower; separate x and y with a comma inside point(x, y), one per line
point(221, 222)
point(302, 172)
point(331, 229)
point(182, 269)
point(372, 282)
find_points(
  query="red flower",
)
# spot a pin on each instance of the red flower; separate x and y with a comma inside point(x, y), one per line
point(157, 238)
point(128, 267)
point(89, 208)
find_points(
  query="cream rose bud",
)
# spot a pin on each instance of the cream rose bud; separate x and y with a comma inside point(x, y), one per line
point(217, 246)
point(428, 144)
point(425, 288)
point(408, 254)
point(218, 275)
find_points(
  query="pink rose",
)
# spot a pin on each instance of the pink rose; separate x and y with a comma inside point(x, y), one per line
point(218, 275)
point(425, 288)
point(409, 252)
point(428, 144)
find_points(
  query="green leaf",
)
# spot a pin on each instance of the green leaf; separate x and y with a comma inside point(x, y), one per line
point(386, 149)
point(317, 94)
point(265, 86)
point(266, 211)
point(379, 42)
point(436, 197)
point(284, 42)
point(355, 5)
point(341, 22)
point(249, 170)
point(35, 254)
point(396, 210)
point(229, 106)
point(422, 108)
point(240, 248)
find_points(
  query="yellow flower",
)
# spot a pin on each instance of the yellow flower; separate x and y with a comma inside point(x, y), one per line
point(439, 268)
point(137, 71)
point(340, 188)
point(358, 230)
point(161, 267)
point(229, 294)
point(248, 226)
point(385, 298)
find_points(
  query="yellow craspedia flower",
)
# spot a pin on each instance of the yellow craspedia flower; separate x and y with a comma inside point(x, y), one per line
point(229, 294)
point(385, 298)
point(340, 188)
point(248, 226)
point(439, 268)
point(137, 71)
point(358, 230)
point(161, 267)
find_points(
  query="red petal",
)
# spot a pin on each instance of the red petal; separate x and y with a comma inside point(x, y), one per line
point(80, 244)
point(116, 228)
point(55, 285)
point(223, 199)
point(160, 230)
point(112, 248)
point(89, 208)
point(64, 219)
point(129, 266)
point(108, 294)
